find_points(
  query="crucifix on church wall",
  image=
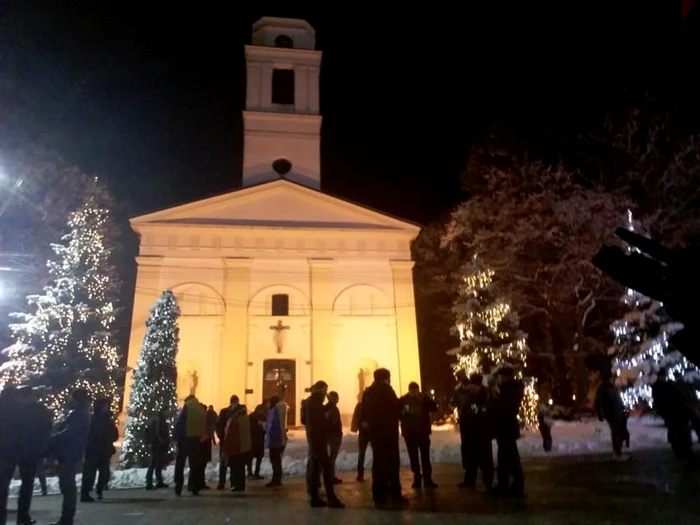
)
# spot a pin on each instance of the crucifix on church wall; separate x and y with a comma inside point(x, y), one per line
point(279, 329)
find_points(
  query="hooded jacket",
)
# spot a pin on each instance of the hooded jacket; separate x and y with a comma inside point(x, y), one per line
point(237, 440)
point(191, 421)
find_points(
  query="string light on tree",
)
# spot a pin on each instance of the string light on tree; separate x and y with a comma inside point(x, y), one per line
point(489, 333)
point(66, 342)
point(641, 346)
point(154, 381)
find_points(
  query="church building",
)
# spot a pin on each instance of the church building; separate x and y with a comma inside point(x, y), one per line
point(280, 284)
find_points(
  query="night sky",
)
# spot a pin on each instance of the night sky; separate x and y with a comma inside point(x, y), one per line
point(152, 99)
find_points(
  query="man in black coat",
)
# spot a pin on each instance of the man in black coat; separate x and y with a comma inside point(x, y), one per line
point(317, 434)
point(506, 407)
point(416, 430)
point(158, 436)
point(380, 415)
point(470, 400)
point(25, 427)
point(98, 450)
point(221, 422)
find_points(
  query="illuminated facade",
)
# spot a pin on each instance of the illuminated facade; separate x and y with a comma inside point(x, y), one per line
point(279, 283)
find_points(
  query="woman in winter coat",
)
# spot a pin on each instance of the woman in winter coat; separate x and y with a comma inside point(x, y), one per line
point(237, 444)
point(99, 450)
point(257, 438)
point(275, 440)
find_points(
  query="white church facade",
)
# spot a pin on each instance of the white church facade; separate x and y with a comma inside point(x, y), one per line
point(279, 283)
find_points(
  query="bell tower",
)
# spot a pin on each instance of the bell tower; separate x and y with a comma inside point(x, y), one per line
point(281, 120)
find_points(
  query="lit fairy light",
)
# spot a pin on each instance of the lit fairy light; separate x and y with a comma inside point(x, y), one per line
point(153, 387)
point(66, 342)
point(638, 354)
point(489, 334)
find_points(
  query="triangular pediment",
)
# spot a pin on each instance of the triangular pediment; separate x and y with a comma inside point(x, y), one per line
point(278, 204)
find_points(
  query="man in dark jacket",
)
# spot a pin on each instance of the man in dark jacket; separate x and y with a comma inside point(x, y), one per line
point(415, 428)
point(506, 407)
point(221, 421)
point(68, 447)
point(191, 433)
point(99, 450)
point(25, 426)
point(668, 403)
point(159, 440)
point(362, 439)
point(470, 400)
point(380, 415)
point(335, 431)
point(257, 441)
point(317, 433)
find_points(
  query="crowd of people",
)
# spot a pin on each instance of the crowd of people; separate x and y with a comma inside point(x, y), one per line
point(28, 439)
point(485, 411)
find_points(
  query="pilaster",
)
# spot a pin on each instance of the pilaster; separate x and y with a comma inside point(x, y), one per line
point(233, 363)
point(406, 331)
point(322, 358)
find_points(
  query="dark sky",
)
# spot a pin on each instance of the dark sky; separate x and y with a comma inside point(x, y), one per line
point(152, 98)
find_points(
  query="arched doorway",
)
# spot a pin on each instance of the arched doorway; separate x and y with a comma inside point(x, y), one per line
point(279, 375)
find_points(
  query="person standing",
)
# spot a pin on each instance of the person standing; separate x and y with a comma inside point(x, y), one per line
point(159, 441)
point(99, 450)
point(275, 439)
point(362, 439)
point(335, 432)
point(609, 408)
point(506, 408)
point(668, 404)
point(415, 427)
point(471, 400)
point(257, 439)
point(237, 444)
point(221, 421)
point(380, 415)
point(68, 447)
point(318, 433)
point(25, 427)
point(190, 433)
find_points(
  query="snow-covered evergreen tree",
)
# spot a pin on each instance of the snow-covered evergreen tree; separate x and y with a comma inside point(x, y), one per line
point(66, 341)
point(154, 382)
point(489, 332)
point(641, 346)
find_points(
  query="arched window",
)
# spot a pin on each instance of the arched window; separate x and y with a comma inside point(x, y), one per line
point(284, 41)
point(280, 304)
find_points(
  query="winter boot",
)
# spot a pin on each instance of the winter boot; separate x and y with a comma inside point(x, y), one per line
point(416, 482)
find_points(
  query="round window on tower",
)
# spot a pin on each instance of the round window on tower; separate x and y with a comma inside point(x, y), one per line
point(282, 166)
point(284, 41)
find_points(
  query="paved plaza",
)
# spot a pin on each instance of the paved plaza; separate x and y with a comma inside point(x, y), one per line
point(650, 488)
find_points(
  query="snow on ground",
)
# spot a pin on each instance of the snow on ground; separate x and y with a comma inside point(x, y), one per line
point(570, 438)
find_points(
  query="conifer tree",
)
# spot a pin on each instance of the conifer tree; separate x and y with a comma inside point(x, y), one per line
point(66, 341)
point(641, 346)
point(154, 381)
point(489, 332)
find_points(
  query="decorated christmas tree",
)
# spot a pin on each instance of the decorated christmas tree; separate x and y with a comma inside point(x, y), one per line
point(153, 388)
point(489, 333)
point(66, 340)
point(641, 346)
